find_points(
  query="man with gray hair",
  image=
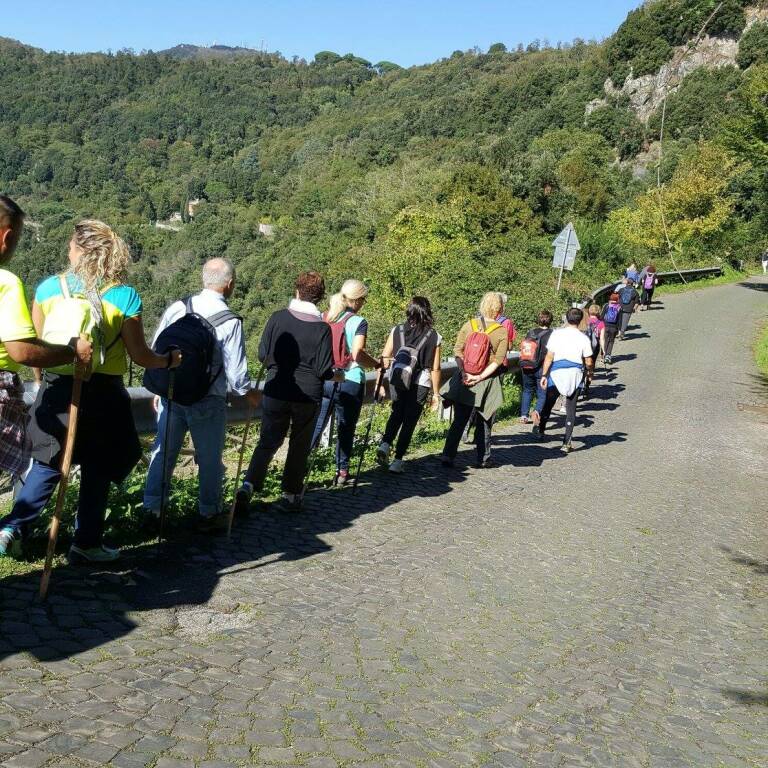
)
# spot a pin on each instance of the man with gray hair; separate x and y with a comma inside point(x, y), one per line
point(206, 419)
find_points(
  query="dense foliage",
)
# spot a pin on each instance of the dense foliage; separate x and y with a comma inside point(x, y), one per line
point(448, 179)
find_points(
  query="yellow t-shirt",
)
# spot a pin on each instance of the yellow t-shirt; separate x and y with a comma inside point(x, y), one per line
point(15, 320)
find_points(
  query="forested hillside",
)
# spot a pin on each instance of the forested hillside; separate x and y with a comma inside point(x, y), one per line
point(447, 179)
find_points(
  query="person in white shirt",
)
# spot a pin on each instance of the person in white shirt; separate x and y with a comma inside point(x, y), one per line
point(569, 353)
point(206, 420)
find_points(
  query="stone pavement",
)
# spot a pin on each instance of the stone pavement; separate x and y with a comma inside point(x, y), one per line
point(606, 608)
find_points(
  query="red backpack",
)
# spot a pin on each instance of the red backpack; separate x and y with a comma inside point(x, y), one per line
point(342, 357)
point(477, 347)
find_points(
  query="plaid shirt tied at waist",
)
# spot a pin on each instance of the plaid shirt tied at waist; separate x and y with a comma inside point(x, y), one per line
point(14, 455)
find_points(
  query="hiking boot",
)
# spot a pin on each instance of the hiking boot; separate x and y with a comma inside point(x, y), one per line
point(342, 478)
point(213, 523)
point(382, 454)
point(243, 499)
point(290, 502)
point(100, 554)
point(9, 542)
point(397, 467)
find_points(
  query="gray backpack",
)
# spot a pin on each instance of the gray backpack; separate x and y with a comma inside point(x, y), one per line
point(405, 363)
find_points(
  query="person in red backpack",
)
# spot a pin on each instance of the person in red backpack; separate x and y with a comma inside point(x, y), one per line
point(480, 350)
point(533, 350)
point(349, 333)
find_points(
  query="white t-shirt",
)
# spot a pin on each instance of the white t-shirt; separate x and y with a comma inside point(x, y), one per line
point(569, 343)
point(425, 374)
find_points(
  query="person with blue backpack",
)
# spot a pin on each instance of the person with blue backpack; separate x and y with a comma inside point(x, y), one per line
point(629, 298)
point(611, 317)
point(92, 293)
point(349, 333)
point(215, 366)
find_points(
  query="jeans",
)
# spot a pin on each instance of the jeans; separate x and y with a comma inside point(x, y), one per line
point(206, 421)
point(570, 411)
point(347, 406)
point(531, 387)
point(461, 416)
point(38, 487)
point(609, 338)
point(406, 412)
point(278, 417)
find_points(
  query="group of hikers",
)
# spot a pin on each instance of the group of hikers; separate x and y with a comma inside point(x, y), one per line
point(314, 366)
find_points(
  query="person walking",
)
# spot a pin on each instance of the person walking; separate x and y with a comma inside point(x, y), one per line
point(611, 317)
point(417, 333)
point(476, 383)
point(629, 299)
point(569, 360)
point(349, 333)
point(107, 446)
point(648, 282)
point(297, 352)
point(19, 346)
point(533, 349)
point(205, 420)
point(631, 273)
point(764, 261)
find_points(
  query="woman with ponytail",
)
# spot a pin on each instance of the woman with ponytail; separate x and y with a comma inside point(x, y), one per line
point(107, 446)
point(352, 333)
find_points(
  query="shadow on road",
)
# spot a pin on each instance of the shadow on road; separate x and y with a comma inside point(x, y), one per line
point(748, 698)
point(755, 286)
point(759, 566)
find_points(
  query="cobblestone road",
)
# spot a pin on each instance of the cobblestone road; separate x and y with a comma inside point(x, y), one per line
point(606, 608)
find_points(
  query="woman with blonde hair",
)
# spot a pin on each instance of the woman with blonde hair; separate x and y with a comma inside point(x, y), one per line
point(477, 385)
point(107, 446)
point(349, 334)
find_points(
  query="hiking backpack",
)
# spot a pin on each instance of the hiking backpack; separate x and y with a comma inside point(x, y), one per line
point(195, 336)
point(532, 349)
point(77, 314)
point(649, 281)
point(611, 314)
point(627, 294)
point(593, 334)
point(405, 363)
point(477, 347)
point(342, 356)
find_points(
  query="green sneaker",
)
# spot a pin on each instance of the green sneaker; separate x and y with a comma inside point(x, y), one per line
point(100, 554)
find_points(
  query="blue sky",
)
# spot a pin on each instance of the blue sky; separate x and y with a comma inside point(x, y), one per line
point(408, 33)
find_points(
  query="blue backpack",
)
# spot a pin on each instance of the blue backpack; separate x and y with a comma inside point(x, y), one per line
point(611, 314)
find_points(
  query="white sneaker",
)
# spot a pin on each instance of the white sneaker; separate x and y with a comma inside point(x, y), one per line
point(397, 467)
point(382, 454)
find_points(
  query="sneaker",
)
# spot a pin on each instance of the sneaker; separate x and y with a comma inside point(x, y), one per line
point(99, 554)
point(566, 448)
point(290, 502)
point(536, 430)
point(342, 478)
point(397, 467)
point(525, 420)
point(382, 454)
point(213, 523)
point(243, 498)
point(607, 359)
point(9, 541)
point(446, 461)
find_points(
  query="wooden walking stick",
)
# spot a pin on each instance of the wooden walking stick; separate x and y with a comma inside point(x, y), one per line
point(239, 470)
point(66, 464)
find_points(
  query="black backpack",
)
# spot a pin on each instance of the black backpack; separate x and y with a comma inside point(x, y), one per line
point(195, 336)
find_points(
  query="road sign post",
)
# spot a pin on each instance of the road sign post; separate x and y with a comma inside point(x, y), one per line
point(566, 247)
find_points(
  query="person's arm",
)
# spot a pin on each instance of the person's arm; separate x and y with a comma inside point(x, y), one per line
point(360, 355)
point(545, 366)
point(132, 334)
point(235, 361)
point(435, 375)
point(589, 364)
point(386, 361)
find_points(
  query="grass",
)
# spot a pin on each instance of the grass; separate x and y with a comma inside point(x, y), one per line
point(761, 351)
point(730, 275)
point(124, 513)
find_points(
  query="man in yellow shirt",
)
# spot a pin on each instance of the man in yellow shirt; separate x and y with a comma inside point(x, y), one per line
point(20, 346)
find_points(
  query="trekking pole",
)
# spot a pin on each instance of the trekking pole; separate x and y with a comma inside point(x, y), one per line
point(66, 464)
point(379, 382)
point(313, 447)
point(240, 457)
point(164, 476)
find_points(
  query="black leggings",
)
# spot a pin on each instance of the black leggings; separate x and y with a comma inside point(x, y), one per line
point(647, 297)
point(608, 339)
point(406, 411)
point(570, 408)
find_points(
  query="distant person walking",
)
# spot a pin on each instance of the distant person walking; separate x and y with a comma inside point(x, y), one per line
point(569, 360)
point(107, 447)
point(629, 299)
point(349, 332)
point(764, 260)
point(296, 349)
point(648, 281)
point(631, 273)
point(533, 350)
point(412, 358)
point(480, 351)
point(206, 419)
point(611, 317)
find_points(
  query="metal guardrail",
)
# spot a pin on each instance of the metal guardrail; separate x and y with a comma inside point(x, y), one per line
point(602, 294)
point(142, 399)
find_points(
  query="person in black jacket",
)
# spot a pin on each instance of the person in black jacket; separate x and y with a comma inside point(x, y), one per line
point(629, 298)
point(297, 352)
